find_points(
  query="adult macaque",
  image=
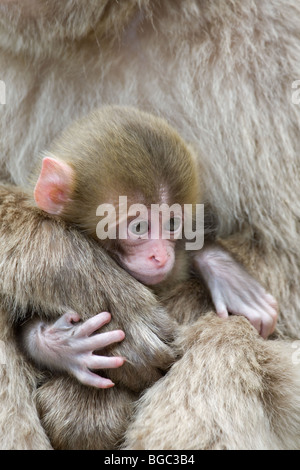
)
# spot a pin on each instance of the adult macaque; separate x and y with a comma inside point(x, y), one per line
point(202, 65)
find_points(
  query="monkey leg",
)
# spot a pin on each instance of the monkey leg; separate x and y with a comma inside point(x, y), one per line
point(230, 390)
point(83, 418)
point(20, 428)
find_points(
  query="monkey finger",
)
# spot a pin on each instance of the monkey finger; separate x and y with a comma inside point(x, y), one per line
point(267, 322)
point(261, 321)
point(103, 362)
point(268, 303)
point(253, 315)
point(267, 326)
point(87, 377)
point(270, 309)
point(269, 312)
point(273, 317)
point(66, 320)
point(221, 309)
point(272, 301)
point(273, 306)
point(101, 340)
point(93, 324)
point(271, 321)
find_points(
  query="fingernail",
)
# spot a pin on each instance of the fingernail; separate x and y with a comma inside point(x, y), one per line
point(110, 385)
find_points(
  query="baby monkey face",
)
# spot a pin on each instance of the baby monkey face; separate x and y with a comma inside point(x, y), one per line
point(148, 252)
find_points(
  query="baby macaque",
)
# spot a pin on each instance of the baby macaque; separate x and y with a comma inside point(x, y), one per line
point(127, 179)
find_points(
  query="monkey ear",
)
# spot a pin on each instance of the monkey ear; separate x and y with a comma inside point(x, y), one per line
point(54, 186)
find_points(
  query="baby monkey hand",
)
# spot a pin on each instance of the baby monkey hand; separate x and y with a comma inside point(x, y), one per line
point(68, 346)
point(235, 291)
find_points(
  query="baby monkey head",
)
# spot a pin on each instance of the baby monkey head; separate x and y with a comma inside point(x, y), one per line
point(123, 176)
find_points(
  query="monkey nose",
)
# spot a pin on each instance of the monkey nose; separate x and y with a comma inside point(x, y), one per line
point(159, 260)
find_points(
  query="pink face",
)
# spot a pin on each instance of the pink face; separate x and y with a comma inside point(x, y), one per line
point(147, 257)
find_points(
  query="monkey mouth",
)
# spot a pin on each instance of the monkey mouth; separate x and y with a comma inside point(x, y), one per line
point(151, 279)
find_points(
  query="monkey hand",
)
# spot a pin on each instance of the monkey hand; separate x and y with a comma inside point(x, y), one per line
point(68, 345)
point(235, 291)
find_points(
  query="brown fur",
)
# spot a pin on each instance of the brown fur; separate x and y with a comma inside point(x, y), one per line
point(20, 427)
point(213, 399)
point(109, 151)
point(221, 73)
point(58, 254)
point(82, 418)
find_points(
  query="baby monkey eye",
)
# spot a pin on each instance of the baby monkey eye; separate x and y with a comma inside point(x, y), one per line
point(138, 228)
point(173, 224)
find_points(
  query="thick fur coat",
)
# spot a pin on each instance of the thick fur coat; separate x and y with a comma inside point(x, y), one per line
point(221, 73)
